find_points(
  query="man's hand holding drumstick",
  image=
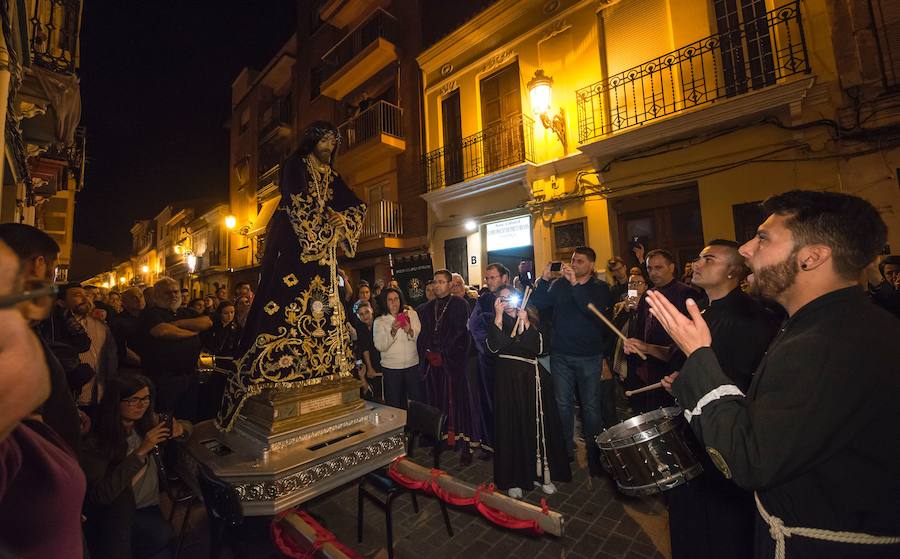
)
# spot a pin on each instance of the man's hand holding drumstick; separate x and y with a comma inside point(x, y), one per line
point(690, 333)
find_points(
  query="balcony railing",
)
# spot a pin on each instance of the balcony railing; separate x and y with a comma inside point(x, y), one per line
point(380, 25)
point(380, 118)
point(54, 34)
point(754, 55)
point(269, 176)
point(497, 147)
point(276, 118)
point(383, 219)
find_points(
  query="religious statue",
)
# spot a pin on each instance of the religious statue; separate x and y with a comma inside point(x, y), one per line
point(296, 334)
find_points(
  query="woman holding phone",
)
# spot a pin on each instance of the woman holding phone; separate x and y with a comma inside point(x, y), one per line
point(121, 462)
point(395, 334)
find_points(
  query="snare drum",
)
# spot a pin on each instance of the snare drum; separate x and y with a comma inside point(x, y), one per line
point(648, 454)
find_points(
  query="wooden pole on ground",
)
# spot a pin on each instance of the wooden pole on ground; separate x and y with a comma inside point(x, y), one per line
point(305, 535)
point(550, 522)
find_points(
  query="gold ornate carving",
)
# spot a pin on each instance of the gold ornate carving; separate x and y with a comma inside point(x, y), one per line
point(448, 87)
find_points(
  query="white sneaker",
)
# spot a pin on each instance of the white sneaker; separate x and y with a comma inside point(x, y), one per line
point(515, 492)
point(548, 488)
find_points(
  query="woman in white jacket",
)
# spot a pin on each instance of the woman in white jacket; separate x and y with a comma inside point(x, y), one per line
point(395, 333)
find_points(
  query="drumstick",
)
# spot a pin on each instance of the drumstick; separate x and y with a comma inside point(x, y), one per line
point(644, 389)
point(613, 328)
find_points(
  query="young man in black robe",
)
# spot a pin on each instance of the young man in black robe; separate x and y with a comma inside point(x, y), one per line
point(710, 517)
point(815, 436)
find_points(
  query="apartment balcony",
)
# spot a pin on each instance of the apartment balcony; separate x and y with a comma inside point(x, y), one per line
point(360, 55)
point(493, 149)
point(370, 136)
point(268, 179)
point(54, 34)
point(739, 75)
point(383, 229)
point(276, 121)
point(341, 13)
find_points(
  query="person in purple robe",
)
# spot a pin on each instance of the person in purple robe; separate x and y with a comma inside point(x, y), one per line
point(443, 355)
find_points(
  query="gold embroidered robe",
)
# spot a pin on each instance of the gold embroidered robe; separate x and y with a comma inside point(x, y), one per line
point(296, 331)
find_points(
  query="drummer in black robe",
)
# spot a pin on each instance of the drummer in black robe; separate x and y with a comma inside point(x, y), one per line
point(528, 443)
point(443, 345)
point(710, 517)
point(296, 333)
point(815, 436)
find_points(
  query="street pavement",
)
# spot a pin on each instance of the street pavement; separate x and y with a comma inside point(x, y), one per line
point(599, 522)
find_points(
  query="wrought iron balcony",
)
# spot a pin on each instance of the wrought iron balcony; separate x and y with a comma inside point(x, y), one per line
point(380, 118)
point(502, 145)
point(358, 56)
point(755, 55)
point(54, 34)
point(383, 219)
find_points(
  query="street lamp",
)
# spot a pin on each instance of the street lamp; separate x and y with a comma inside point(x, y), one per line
point(230, 224)
point(540, 89)
point(145, 269)
point(470, 225)
point(122, 280)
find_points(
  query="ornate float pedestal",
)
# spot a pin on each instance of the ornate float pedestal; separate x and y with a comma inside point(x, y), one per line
point(289, 446)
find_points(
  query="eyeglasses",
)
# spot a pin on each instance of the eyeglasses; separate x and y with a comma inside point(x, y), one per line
point(136, 400)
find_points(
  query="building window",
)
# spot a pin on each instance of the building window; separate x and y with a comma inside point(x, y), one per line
point(886, 19)
point(245, 120)
point(566, 236)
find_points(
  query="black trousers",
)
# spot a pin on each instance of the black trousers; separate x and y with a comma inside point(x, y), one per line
point(402, 385)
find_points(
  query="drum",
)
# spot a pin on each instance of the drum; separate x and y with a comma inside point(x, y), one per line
point(648, 453)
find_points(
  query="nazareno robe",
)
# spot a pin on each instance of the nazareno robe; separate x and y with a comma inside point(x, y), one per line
point(528, 441)
point(447, 386)
point(709, 516)
point(816, 434)
point(296, 332)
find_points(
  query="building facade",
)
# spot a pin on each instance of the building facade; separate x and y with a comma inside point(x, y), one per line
point(40, 104)
point(556, 123)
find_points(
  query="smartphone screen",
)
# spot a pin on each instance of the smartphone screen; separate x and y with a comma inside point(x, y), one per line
point(632, 293)
point(555, 266)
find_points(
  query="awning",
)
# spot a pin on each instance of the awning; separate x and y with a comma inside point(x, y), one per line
point(265, 214)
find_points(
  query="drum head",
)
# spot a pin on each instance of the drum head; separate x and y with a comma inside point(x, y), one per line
point(640, 427)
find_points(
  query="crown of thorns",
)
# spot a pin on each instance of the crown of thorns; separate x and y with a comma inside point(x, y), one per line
point(325, 134)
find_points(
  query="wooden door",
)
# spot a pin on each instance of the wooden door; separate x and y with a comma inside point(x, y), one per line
point(501, 109)
point(456, 256)
point(663, 219)
point(452, 121)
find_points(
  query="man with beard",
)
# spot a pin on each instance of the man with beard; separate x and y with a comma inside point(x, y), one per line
point(815, 434)
point(170, 349)
point(443, 347)
point(648, 336)
point(100, 354)
point(496, 276)
point(709, 516)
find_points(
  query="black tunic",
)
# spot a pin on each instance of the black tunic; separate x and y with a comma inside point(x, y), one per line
point(516, 446)
point(710, 517)
point(816, 434)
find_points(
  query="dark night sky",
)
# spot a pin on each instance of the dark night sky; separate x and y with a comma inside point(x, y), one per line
point(156, 92)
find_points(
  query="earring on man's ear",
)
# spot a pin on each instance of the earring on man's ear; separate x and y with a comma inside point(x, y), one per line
point(730, 276)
